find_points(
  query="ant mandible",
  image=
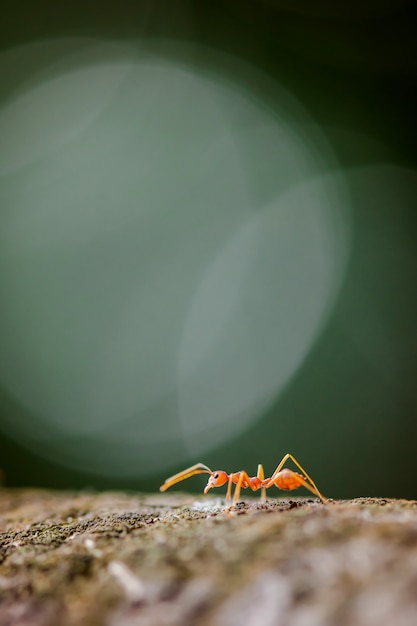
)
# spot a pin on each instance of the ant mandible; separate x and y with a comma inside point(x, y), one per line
point(284, 479)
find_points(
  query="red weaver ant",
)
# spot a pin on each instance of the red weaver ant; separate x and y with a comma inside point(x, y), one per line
point(284, 479)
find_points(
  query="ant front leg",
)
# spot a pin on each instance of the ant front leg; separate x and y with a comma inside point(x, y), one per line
point(243, 481)
point(246, 482)
point(229, 490)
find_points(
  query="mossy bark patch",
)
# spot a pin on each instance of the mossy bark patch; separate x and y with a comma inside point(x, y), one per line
point(134, 560)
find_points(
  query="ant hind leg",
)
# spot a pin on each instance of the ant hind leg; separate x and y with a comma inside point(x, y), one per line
point(308, 481)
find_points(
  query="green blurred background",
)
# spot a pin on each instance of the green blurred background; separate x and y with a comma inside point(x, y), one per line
point(208, 242)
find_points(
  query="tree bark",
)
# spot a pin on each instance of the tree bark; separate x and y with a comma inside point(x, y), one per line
point(119, 559)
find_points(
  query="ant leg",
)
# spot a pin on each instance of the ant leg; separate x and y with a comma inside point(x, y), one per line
point(229, 490)
point(246, 482)
point(242, 476)
point(280, 466)
point(261, 476)
point(309, 483)
point(313, 488)
point(198, 468)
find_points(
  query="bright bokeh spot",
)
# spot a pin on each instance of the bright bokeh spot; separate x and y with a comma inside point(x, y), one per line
point(170, 248)
point(259, 308)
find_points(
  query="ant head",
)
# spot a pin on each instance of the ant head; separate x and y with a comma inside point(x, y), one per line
point(217, 479)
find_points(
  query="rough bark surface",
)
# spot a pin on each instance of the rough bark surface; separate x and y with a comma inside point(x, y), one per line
point(131, 560)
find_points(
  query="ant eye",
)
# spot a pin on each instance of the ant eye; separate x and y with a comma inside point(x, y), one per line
point(216, 475)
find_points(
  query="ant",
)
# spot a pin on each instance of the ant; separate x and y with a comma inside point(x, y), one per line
point(284, 479)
